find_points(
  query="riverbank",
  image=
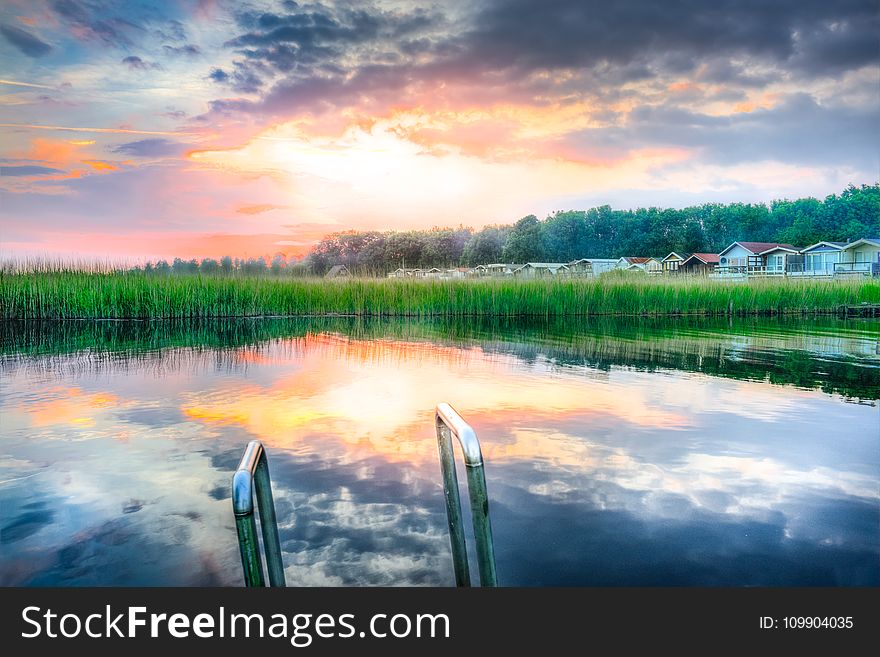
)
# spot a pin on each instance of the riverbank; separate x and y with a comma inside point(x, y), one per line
point(76, 295)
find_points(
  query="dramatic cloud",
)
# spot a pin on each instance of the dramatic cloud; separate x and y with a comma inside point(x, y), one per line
point(25, 41)
point(320, 56)
point(397, 115)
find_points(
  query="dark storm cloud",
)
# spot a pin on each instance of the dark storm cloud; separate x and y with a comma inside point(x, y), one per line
point(26, 42)
point(154, 147)
point(28, 170)
point(319, 55)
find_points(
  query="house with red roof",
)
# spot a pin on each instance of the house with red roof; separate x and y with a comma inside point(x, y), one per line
point(639, 263)
point(744, 258)
point(699, 263)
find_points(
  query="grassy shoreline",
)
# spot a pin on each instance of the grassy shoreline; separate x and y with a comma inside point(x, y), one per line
point(101, 295)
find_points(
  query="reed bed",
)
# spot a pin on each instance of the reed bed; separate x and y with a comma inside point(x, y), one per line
point(134, 295)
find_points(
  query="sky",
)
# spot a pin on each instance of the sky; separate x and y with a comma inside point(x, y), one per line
point(201, 128)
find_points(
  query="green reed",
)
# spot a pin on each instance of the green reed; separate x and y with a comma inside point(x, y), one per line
point(60, 294)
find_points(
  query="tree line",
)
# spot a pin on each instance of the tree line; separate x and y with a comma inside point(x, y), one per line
point(599, 232)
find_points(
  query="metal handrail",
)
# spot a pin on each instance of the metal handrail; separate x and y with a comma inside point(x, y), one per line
point(450, 423)
point(252, 477)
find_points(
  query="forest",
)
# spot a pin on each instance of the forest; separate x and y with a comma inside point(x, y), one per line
point(600, 232)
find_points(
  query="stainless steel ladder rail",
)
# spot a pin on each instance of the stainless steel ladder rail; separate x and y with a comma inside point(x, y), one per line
point(252, 478)
point(450, 423)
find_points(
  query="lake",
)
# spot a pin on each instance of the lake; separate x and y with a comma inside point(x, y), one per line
point(680, 452)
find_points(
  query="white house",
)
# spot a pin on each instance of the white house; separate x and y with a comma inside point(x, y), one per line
point(782, 259)
point(626, 262)
point(496, 269)
point(860, 257)
point(592, 265)
point(820, 258)
point(542, 269)
point(745, 257)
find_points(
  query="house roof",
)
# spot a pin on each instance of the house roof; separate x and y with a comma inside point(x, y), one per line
point(757, 247)
point(545, 265)
point(335, 270)
point(782, 247)
point(835, 245)
point(680, 256)
point(705, 258)
point(873, 241)
point(635, 260)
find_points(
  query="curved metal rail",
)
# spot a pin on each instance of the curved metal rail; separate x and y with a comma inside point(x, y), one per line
point(450, 423)
point(252, 477)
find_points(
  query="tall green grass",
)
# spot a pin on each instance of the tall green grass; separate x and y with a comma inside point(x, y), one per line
point(115, 295)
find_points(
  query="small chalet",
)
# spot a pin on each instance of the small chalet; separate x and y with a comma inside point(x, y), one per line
point(338, 271)
point(594, 266)
point(497, 269)
point(672, 262)
point(647, 265)
point(699, 263)
point(821, 258)
point(860, 257)
point(406, 273)
point(628, 261)
point(541, 270)
point(746, 257)
point(782, 259)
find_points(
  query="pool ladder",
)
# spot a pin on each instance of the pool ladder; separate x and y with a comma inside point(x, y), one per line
point(252, 480)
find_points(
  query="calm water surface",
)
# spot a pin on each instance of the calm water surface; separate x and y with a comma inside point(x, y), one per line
point(618, 453)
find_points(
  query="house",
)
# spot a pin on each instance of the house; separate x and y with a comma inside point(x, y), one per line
point(541, 270)
point(595, 266)
point(820, 258)
point(497, 269)
point(457, 272)
point(782, 259)
point(699, 263)
point(406, 273)
point(628, 261)
point(672, 262)
point(582, 267)
point(338, 271)
point(860, 257)
point(433, 272)
point(648, 265)
point(743, 258)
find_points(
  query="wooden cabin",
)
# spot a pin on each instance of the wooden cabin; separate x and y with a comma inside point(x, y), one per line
point(671, 263)
point(699, 263)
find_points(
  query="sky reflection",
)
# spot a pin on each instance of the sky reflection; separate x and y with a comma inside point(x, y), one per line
point(120, 475)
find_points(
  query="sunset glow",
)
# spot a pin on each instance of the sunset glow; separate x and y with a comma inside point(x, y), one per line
point(200, 129)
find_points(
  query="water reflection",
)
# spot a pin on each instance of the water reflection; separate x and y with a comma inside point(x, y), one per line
point(647, 452)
